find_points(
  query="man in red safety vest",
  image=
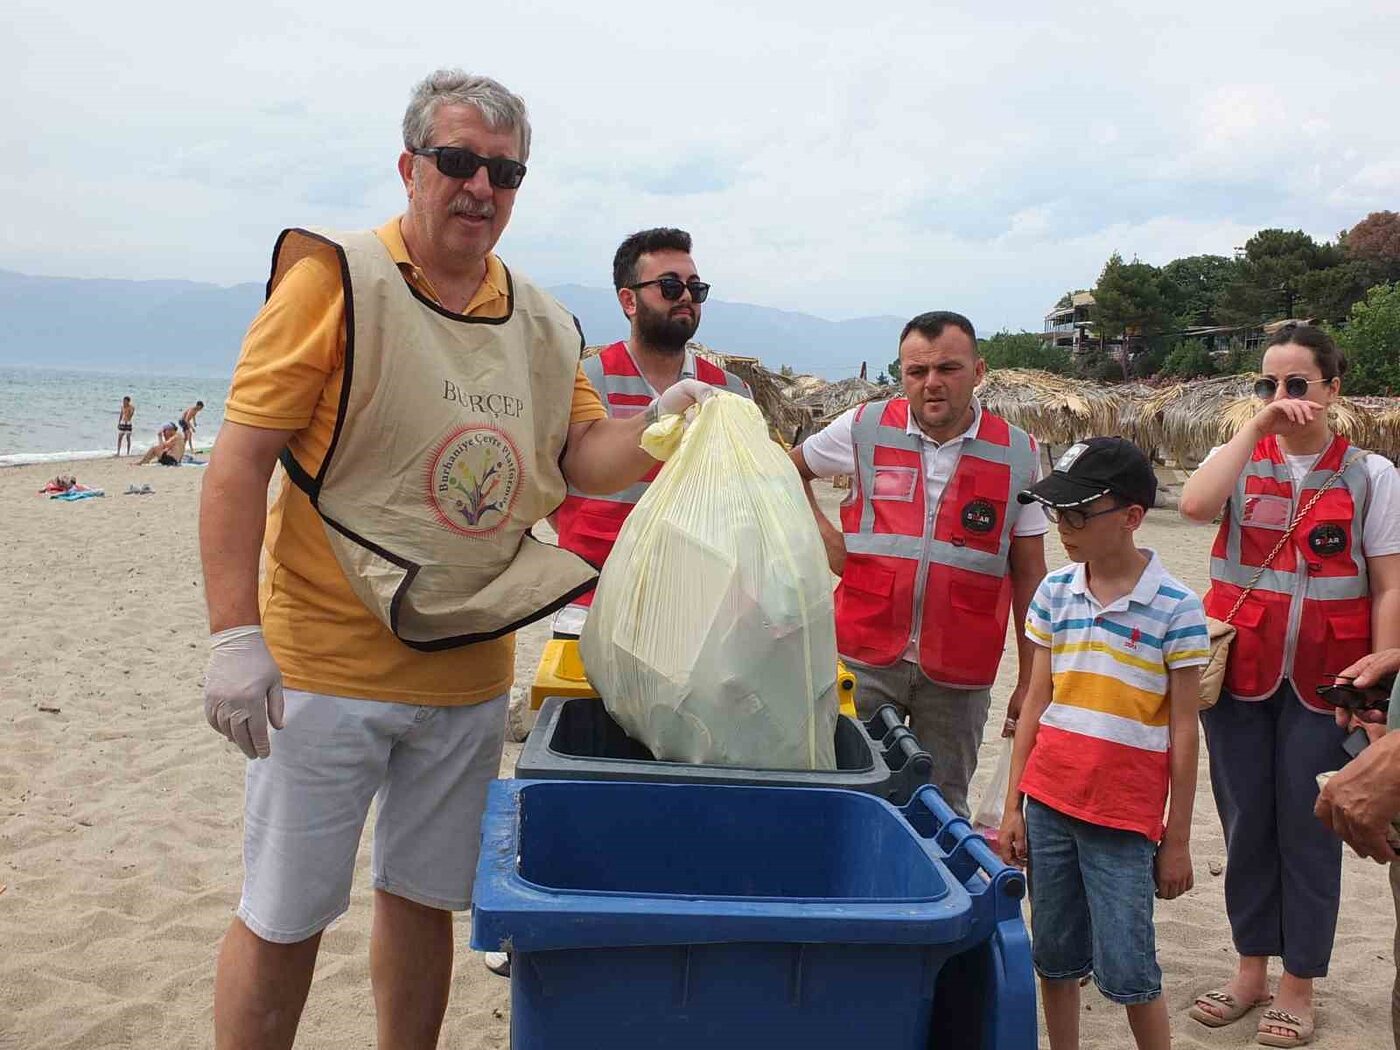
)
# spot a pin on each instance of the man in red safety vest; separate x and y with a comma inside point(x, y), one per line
point(934, 552)
point(660, 293)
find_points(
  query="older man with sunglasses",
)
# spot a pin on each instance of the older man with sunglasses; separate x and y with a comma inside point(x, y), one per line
point(428, 407)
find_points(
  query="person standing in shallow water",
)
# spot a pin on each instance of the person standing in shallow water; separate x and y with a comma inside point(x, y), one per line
point(1329, 594)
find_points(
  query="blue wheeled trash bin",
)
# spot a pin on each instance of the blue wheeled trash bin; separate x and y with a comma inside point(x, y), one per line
point(696, 915)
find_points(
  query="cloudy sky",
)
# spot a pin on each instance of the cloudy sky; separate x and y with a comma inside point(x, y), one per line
point(841, 159)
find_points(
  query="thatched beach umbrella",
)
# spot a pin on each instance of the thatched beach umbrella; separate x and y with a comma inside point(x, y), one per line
point(1383, 424)
point(1055, 409)
point(829, 401)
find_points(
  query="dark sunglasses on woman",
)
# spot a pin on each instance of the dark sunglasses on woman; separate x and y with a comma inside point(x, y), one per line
point(458, 162)
point(1294, 386)
point(671, 288)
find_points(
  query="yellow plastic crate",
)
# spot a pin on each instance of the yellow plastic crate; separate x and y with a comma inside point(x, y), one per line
point(561, 673)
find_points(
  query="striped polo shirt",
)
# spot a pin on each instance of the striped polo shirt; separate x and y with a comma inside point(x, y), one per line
point(1102, 751)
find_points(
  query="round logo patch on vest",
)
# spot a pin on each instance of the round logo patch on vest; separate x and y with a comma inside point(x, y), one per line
point(473, 479)
point(1327, 539)
point(979, 516)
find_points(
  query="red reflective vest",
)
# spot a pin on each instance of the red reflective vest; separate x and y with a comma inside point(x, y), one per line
point(936, 574)
point(588, 525)
point(1310, 613)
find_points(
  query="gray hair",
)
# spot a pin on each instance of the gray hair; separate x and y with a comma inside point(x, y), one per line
point(502, 109)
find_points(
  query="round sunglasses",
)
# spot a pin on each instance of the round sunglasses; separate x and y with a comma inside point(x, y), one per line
point(1294, 386)
point(672, 287)
point(458, 162)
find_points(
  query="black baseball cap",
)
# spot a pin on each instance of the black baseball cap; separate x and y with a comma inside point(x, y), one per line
point(1097, 467)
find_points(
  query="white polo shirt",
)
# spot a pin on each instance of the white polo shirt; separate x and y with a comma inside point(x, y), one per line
point(832, 452)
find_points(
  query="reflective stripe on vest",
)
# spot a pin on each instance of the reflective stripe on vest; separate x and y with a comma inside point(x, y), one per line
point(589, 524)
point(1309, 614)
point(911, 569)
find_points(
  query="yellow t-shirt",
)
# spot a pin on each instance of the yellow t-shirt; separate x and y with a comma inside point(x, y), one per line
point(289, 378)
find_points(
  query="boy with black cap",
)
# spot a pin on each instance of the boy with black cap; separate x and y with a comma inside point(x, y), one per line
point(1107, 733)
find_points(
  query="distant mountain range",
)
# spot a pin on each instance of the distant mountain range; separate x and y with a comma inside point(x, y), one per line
point(189, 328)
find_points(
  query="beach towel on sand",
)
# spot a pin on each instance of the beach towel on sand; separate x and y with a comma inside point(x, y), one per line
point(75, 494)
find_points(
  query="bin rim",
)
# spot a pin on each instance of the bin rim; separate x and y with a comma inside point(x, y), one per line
point(510, 911)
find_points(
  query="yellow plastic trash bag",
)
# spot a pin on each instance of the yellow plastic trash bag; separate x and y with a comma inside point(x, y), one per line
point(712, 636)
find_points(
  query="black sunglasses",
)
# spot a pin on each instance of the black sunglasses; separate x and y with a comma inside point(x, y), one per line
point(1352, 697)
point(672, 287)
point(1294, 387)
point(1076, 518)
point(458, 162)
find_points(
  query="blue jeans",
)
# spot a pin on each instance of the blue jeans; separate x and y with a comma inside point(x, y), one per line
point(1091, 904)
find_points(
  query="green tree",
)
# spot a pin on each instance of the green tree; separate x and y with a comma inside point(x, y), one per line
point(1192, 288)
point(892, 373)
point(1097, 364)
point(1189, 360)
point(786, 371)
point(1371, 340)
point(1329, 294)
point(1129, 305)
point(1268, 275)
point(1022, 350)
point(1007, 350)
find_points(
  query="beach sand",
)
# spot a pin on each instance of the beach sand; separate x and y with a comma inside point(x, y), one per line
point(120, 810)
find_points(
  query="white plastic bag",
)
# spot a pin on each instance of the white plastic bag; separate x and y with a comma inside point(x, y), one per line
point(712, 636)
point(986, 818)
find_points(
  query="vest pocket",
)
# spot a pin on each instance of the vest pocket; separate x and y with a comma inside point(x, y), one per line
point(864, 599)
point(895, 483)
point(1256, 655)
point(984, 516)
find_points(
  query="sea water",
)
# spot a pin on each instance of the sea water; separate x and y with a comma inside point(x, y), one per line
point(48, 414)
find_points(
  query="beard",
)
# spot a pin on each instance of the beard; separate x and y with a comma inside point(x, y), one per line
point(664, 332)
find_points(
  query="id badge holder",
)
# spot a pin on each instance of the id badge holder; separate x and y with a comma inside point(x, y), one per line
point(1266, 512)
point(895, 483)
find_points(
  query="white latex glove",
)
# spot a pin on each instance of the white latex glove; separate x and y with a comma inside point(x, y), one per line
point(680, 395)
point(243, 689)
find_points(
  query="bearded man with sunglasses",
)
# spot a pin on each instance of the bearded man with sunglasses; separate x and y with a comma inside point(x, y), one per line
point(428, 407)
point(661, 294)
point(934, 552)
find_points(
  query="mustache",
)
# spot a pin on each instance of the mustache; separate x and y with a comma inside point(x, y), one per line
point(469, 206)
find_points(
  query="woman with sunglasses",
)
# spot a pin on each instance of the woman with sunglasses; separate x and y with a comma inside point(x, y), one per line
point(1305, 604)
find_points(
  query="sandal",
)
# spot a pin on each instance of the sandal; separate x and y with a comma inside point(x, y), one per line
point(1300, 1031)
point(1234, 1008)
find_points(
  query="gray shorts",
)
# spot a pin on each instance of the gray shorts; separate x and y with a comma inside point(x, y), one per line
point(947, 721)
point(426, 768)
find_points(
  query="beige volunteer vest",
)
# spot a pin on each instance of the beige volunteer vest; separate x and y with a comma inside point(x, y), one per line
point(445, 452)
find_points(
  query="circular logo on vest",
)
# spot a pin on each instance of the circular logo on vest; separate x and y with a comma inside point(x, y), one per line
point(1327, 539)
point(979, 516)
point(473, 479)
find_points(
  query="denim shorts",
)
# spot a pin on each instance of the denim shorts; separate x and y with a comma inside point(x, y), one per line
point(1092, 890)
